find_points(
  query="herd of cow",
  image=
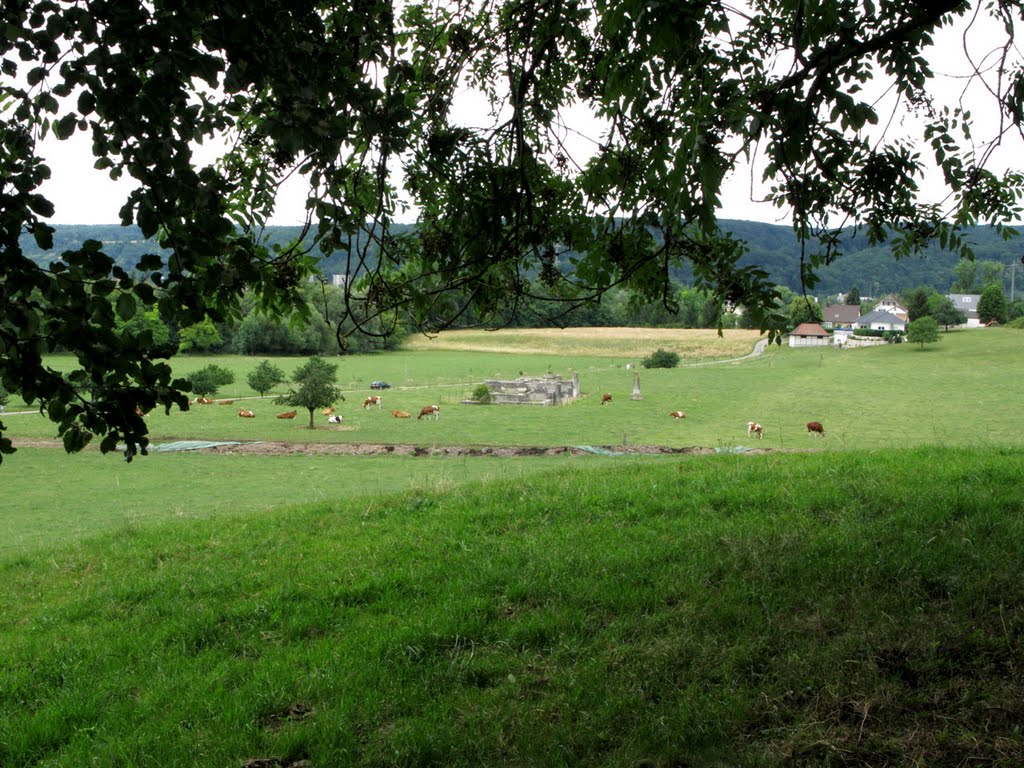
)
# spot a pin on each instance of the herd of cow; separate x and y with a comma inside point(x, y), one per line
point(332, 418)
point(753, 428)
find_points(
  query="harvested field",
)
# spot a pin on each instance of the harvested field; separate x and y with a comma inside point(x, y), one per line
point(690, 343)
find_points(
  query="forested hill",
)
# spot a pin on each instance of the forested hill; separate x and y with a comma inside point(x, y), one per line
point(772, 246)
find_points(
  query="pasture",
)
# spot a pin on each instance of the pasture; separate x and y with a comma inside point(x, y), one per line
point(957, 392)
point(853, 599)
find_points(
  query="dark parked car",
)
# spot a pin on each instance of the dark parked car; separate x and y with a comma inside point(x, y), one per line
point(380, 385)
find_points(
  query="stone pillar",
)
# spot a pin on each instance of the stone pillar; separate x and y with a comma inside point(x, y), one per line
point(636, 387)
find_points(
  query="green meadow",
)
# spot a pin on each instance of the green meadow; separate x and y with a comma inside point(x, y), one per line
point(848, 600)
point(961, 391)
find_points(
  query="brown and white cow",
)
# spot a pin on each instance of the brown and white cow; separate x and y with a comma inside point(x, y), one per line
point(204, 401)
point(225, 402)
point(246, 414)
point(401, 414)
point(373, 400)
point(753, 428)
point(287, 415)
point(327, 411)
point(814, 426)
point(606, 398)
point(430, 410)
point(677, 414)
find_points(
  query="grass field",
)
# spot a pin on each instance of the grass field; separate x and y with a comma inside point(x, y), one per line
point(957, 392)
point(856, 603)
point(723, 611)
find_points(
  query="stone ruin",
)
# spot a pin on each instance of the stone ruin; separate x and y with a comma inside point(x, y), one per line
point(549, 389)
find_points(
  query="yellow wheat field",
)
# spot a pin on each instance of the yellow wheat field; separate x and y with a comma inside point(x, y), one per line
point(690, 343)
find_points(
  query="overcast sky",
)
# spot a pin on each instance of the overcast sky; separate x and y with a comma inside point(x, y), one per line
point(82, 195)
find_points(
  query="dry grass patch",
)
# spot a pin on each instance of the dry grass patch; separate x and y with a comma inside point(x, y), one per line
point(600, 342)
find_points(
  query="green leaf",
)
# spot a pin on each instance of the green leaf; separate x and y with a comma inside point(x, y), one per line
point(126, 306)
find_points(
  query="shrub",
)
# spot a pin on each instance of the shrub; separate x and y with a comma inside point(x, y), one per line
point(206, 381)
point(663, 358)
point(482, 394)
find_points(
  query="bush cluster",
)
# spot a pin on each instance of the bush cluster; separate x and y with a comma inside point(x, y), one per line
point(663, 358)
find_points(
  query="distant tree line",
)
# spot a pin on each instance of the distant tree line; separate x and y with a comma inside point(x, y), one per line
point(772, 247)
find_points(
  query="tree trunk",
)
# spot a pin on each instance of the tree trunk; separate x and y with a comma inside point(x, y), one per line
point(311, 418)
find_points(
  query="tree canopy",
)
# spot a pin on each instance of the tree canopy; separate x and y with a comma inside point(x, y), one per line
point(349, 96)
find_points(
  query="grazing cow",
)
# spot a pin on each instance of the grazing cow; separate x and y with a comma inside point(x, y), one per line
point(606, 398)
point(327, 411)
point(204, 401)
point(753, 428)
point(373, 400)
point(226, 402)
point(813, 426)
point(139, 412)
point(335, 418)
point(401, 414)
point(246, 414)
point(288, 415)
point(430, 410)
point(677, 414)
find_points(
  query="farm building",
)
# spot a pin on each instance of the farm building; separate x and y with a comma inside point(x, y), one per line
point(549, 389)
point(808, 335)
point(968, 304)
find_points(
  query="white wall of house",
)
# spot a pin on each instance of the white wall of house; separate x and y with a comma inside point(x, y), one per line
point(808, 341)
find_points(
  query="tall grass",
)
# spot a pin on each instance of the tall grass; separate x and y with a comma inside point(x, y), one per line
point(732, 610)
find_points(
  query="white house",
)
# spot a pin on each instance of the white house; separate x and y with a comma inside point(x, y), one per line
point(880, 320)
point(891, 304)
point(968, 304)
point(808, 335)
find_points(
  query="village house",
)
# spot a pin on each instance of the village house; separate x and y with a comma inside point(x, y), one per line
point(891, 304)
point(879, 320)
point(808, 335)
point(968, 304)
point(836, 316)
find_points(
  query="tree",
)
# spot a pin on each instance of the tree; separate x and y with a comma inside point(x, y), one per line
point(917, 302)
point(804, 310)
point(993, 305)
point(206, 381)
point(944, 311)
point(316, 387)
point(965, 276)
point(201, 337)
point(685, 92)
point(264, 377)
point(853, 297)
point(923, 331)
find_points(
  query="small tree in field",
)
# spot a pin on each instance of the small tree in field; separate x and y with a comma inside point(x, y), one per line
point(206, 381)
point(924, 330)
point(482, 394)
point(316, 389)
point(264, 377)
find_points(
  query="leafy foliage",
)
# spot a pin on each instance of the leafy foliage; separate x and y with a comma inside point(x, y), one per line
point(264, 377)
point(992, 305)
point(924, 330)
point(482, 394)
point(944, 311)
point(506, 213)
point(316, 389)
point(662, 358)
point(208, 380)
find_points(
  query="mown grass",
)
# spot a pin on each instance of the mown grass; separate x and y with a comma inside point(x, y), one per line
point(51, 500)
point(817, 609)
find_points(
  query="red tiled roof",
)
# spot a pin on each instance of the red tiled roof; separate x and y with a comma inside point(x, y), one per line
point(808, 329)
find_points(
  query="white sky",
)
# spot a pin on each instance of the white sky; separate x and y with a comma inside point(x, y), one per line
point(82, 195)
